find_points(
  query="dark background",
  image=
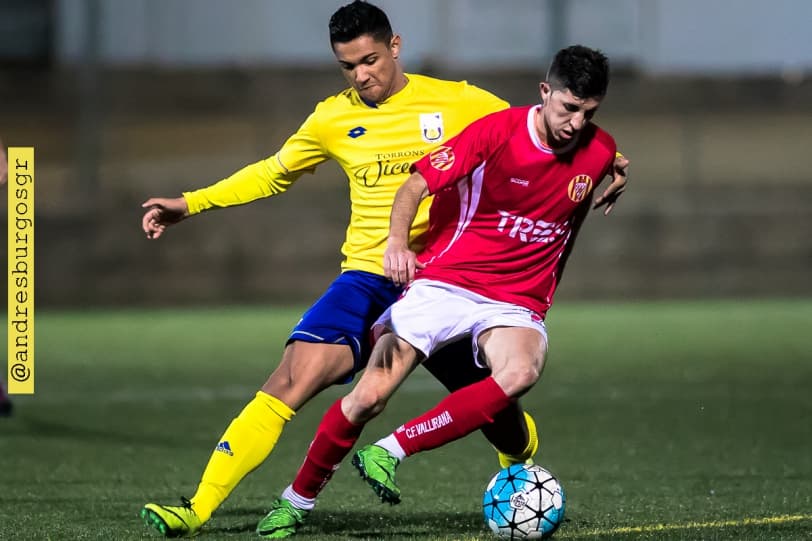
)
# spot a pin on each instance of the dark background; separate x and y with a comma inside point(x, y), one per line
point(719, 202)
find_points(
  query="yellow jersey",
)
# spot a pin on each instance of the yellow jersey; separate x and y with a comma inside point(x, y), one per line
point(374, 144)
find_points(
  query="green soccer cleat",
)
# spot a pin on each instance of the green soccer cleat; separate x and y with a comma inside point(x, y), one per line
point(532, 447)
point(282, 520)
point(377, 467)
point(171, 520)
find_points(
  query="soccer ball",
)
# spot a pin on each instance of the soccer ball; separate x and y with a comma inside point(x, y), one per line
point(524, 501)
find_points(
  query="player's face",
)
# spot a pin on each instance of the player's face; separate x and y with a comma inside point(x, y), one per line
point(371, 67)
point(564, 115)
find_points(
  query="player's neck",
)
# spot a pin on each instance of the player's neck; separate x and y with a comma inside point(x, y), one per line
point(542, 131)
point(540, 126)
point(399, 84)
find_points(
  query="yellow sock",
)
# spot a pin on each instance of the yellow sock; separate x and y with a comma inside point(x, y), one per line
point(246, 443)
point(530, 449)
point(532, 438)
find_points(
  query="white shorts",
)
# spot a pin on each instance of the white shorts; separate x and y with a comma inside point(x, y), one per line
point(431, 314)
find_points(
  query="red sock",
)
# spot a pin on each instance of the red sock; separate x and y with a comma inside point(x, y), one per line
point(334, 438)
point(457, 415)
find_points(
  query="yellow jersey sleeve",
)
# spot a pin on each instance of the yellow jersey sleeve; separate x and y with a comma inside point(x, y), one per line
point(301, 153)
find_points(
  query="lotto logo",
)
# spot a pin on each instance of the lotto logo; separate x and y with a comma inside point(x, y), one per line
point(527, 230)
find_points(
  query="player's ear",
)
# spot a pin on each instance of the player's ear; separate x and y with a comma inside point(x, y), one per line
point(394, 46)
point(544, 91)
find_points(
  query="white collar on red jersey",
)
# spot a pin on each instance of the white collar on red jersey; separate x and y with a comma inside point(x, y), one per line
point(531, 129)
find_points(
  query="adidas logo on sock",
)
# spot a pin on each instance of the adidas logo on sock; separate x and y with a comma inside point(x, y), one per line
point(224, 447)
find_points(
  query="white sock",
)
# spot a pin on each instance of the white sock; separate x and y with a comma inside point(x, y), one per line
point(390, 443)
point(298, 501)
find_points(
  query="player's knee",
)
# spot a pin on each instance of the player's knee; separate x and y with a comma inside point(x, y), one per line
point(517, 379)
point(525, 377)
point(364, 403)
point(306, 369)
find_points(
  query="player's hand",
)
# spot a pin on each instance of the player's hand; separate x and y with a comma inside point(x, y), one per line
point(162, 212)
point(617, 187)
point(400, 263)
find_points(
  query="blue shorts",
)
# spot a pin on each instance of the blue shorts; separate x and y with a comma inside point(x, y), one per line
point(345, 313)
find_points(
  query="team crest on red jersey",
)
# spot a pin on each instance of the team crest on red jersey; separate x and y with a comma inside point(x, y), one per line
point(579, 188)
point(442, 159)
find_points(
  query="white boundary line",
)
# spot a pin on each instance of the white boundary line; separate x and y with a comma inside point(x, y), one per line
point(654, 528)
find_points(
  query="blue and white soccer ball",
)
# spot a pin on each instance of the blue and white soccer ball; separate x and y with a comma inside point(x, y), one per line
point(524, 501)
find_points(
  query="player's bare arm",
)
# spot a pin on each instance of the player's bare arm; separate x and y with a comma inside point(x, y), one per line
point(162, 212)
point(399, 262)
point(615, 189)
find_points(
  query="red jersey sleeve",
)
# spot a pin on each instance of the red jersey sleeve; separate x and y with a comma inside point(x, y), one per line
point(607, 142)
point(463, 153)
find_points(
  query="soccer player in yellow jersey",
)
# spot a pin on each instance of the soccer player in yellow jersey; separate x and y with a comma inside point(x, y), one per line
point(375, 130)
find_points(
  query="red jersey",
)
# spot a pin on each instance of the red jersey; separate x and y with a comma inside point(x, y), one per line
point(504, 205)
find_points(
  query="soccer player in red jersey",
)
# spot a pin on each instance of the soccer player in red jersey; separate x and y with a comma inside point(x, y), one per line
point(510, 193)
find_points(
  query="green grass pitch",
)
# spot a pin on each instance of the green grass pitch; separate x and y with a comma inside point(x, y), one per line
point(662, 420)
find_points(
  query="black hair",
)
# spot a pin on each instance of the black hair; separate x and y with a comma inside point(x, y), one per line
point(581, 70)
point(357, 19)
